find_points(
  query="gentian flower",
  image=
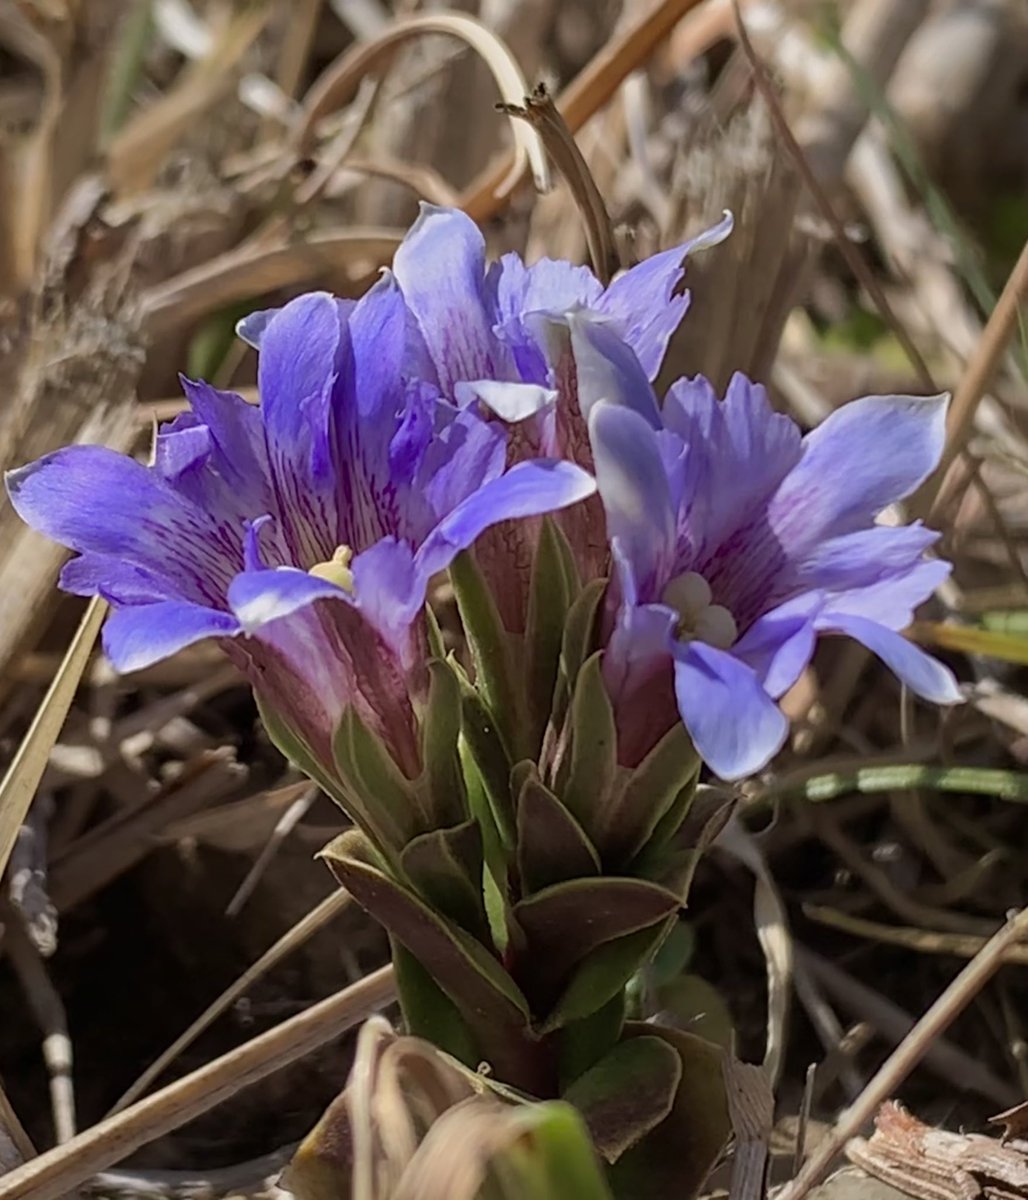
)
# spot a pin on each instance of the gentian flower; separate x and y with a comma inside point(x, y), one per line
point(498, 334)
point(302, 533)
point(737, 542)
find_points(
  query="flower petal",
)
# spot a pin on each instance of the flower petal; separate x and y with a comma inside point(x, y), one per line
point(464, 456)
point(511, 402)
point(919, 671)
point(117, 581)
point(527, 302)
point(528, 489)
point(643, 299)
point(139, 635)
point(92, 499)
point(250, 329)
point(740, 450)
point(865, 456)
point(305, 348)
point(259, 597)
point(877, 573)
point(608, 370)
point(440, 266)
point(389, 591)
point(735, 725)
point(636, 497)
point(779, 644)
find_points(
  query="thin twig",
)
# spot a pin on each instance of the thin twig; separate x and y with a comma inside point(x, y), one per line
point(591, 88)
point(58, 1171)
point(48, 1010)
point(907, 1054)
point(980, 369)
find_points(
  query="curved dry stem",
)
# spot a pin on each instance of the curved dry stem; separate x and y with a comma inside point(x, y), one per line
point(339, 80)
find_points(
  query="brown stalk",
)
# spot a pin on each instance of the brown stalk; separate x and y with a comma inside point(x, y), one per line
point(907, 1054)
point(980, 369)
point(591, 88)
point(544, 117)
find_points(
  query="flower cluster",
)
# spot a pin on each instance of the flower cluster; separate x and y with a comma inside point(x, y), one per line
point(458, 397)
point(639, 580)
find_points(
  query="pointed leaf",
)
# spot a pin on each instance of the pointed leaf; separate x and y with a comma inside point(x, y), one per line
point(590, 781)
point(627, 1093)
point(580, 629)
point(481, 736)
point(604, 974)
point(660, 787)
point(494, 876)
point(552, 846)
point(565, 923)
point(443, 780)
point(293, 747)
point(389, 803)
point(495, 674)
point(583, 1043)
point(445, 868)
point(674, 864)
point(427, 1010)
point(677, 1156)
point(554, 587)
point(494, 1008)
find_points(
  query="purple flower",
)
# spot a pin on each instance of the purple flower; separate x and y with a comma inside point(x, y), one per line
point(301, 533)
point(499, 335)
point(737, 541)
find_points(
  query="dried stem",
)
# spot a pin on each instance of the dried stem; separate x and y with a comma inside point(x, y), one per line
point(908, 1054)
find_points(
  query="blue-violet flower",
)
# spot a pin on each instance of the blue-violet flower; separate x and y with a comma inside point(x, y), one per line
point(301, 533)
point(737, 541)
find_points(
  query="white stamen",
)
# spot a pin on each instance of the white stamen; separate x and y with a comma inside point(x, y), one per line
point(716, 626)
point(688, 594)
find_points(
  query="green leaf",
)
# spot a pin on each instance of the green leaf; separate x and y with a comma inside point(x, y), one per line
point(553, 1159)
point(674, 864)
point(445, 868)
point(604, 974)
point(443, 780)
point(627, 1093)
point(480, 735)
point(583, 1043)
point(569, 922)
point(494, 875)
point(590, 782)
point(552, 846)
point(427, 1010)
point(676, 1157)
point(293, 747)
point(493, 1006)
point(553, 588)
point(495, 674)
point(693, 1003)
point(656, 797)
point(390, 810)
point(580, 629)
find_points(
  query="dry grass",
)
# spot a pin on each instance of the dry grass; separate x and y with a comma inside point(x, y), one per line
point(165, 165)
